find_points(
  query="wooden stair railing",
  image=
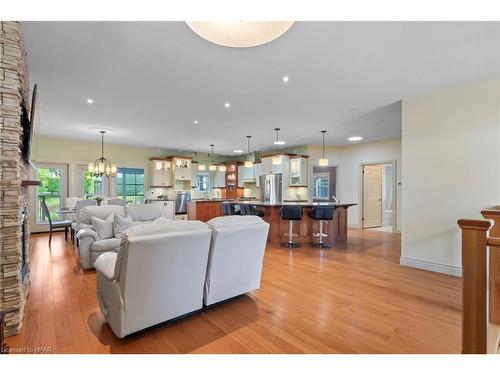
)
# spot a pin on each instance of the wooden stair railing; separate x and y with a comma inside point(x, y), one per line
point(481, 282)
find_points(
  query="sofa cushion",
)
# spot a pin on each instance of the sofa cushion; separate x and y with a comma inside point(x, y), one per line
point(143, 212)
point(101, 212)
point(234, 221)
point(103, 228)
point(121, 224)
point(109, 244)
point(163, 225)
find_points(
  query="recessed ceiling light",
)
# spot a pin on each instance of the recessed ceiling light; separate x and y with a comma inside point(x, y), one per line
point(90, 101)
point(238, 151)
point(195, 122)
point(355, 139)
point(285, 79)
point(279, 142)
point(227, 104)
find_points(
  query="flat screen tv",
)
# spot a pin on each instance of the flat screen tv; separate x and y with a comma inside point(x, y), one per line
point(29, 123)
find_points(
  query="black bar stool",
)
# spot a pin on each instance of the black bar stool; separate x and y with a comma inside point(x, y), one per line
point(250, 209)
point(228, 209)
point(321, 213)
point(291, 213)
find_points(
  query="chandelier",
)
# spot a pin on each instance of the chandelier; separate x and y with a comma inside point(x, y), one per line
point(102, 166)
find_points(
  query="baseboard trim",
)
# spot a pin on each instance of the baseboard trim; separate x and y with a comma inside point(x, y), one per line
point(431, 266)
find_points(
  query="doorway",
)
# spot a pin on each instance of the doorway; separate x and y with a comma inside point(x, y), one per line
point(378, 211)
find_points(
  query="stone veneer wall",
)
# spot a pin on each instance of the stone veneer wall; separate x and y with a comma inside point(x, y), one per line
point(14, 89)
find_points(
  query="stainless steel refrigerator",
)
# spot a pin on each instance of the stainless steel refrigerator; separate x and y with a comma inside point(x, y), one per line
point(271, 188)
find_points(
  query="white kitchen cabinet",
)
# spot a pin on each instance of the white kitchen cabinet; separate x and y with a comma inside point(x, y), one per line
point(182, 169)
point(257, 172)
point(219, 179)
point(298, 171)
point(161, 173)
point(269, 168)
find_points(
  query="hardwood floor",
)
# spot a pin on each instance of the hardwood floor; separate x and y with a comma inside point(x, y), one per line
point(355, 298)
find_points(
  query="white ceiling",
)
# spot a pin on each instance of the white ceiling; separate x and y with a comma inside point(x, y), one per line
point(151, 80)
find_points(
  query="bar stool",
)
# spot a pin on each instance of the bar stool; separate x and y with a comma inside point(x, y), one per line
point(321, 213)
point(291, 213)
point(249, 209)
point(228, 209)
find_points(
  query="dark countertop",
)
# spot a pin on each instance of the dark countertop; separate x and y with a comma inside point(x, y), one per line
point(302, 204)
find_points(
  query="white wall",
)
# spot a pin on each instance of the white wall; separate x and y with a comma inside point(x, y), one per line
point(451, 158)
point(349, 160)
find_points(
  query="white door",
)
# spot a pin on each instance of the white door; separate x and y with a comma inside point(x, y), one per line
point(372, 196)
point(52, 190)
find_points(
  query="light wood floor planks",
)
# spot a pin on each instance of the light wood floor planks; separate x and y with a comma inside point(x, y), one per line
point(355, 298)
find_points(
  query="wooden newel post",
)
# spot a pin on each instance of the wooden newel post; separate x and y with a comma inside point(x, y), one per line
point(494, 282)
point(474, 319)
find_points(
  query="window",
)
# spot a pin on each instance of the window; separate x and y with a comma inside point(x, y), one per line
point(130, 184)
point(321, 186)
point(91, 186)
point(50, 191)
point(203, 182)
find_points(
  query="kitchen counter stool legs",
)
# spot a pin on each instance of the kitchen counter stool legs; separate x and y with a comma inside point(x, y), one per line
point(291, 213)
point(321, 214)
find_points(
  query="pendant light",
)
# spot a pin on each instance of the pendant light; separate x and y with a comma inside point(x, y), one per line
point(212, 167)
point(102, 166)
point(202, 167)
point(323, 162)
point(248, 162)
point(277, 158)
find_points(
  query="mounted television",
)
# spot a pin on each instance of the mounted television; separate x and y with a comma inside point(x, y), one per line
point(29, 123)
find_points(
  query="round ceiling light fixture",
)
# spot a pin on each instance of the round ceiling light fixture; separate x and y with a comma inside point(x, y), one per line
point(240, 34)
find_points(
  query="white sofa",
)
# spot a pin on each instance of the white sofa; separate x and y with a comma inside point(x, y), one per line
point(90, 246)
point(153, 278)
point(166, 269)
point(236, 254)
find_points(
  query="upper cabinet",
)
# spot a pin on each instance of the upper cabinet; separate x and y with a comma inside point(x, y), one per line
point(298, 170)
point(257, 172)
point(219, 179)
point(245, 175)
point(161, 173)
point(182, 169)
point(269, 168)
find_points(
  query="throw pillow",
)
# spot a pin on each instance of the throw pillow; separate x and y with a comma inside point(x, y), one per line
point(121, 224)
point(103, 228)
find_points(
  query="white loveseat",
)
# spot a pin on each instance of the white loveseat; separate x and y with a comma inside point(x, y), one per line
point(167, 269)
point(91, 245)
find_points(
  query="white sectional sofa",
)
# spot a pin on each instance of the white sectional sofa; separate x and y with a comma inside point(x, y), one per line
point(167, 269)
point(91, 244)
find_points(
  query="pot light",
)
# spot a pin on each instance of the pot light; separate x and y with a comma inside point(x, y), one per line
point(195, 122)
point(90, 101)
point(285, 79)
point(355, 139)
point(227, 104)
point(238, 151)
point(279, 143)
point(240, 33)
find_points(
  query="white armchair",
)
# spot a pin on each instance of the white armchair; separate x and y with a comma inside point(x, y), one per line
point(154, 277)
point(236, 254)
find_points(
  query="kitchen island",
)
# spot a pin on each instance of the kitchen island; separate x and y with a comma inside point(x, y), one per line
point(336, 229)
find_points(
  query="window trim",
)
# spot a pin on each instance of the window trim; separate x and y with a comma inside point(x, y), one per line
point(321, 175)
point(125, 184)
